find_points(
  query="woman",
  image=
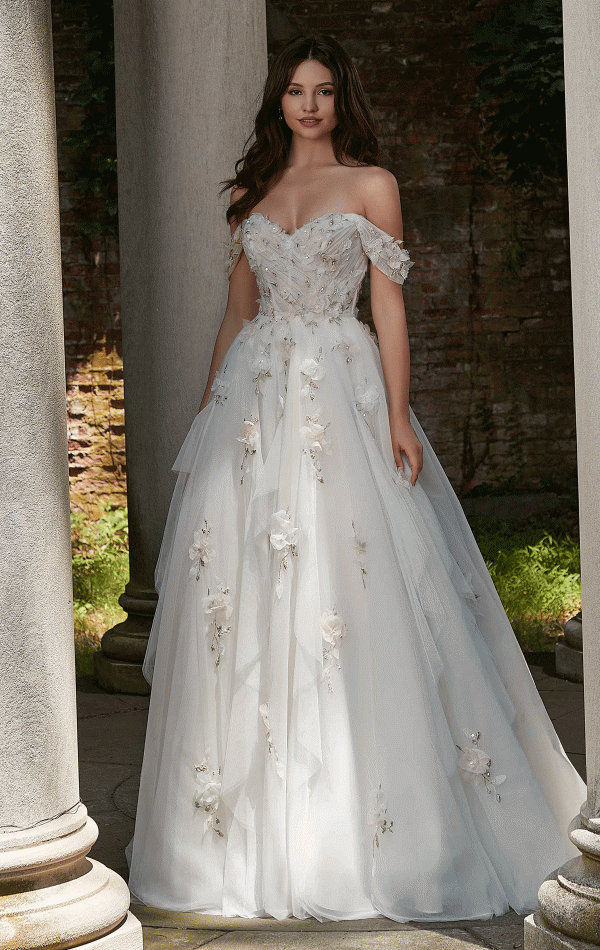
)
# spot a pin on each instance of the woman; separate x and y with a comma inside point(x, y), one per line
point(342, 723)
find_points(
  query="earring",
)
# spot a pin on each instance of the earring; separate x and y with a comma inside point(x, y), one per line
point(280, 114)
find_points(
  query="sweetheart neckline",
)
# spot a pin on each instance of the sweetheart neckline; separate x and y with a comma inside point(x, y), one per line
point(320, 217)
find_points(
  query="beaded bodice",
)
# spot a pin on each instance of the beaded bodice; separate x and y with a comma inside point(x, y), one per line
point(315, 273)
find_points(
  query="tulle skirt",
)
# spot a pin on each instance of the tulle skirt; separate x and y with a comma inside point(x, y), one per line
point(342, 723)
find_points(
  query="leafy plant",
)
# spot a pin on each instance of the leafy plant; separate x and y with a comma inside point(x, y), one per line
point(100, 571)
point(537, 578)
point(522, 84)
point(94, 144)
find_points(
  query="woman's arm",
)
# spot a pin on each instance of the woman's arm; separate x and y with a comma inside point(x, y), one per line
point(242, 304)
point(382, 207)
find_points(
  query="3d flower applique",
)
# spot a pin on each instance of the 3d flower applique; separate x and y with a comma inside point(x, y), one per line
point(264, 712)
point(367, 399)
point(285, 346)
point(315, 438)
point(346, 348)
point(218, 609)
point(377, 816)
point(249, 437)
point(333, 628)
point(401, 480)
point(283, 537)
point(360, 552)
point(399, 260)
point(312, 370)
point(208, 793)
point(220, 387)
point(202, 550)
point(261, 365)
point(474, 761)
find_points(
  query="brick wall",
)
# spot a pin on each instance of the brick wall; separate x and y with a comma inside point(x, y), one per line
point(91, 300)
point(491, 347)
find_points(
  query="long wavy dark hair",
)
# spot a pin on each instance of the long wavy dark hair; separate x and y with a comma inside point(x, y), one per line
point(353, 139)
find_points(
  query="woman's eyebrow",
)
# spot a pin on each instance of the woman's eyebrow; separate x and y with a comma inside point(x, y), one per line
point(299, 84)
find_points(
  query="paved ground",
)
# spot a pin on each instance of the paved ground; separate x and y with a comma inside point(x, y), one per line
point(111, 739)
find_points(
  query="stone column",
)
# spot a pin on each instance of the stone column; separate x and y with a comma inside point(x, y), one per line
point(569, 900)
point(188, 76)
point(51, 894)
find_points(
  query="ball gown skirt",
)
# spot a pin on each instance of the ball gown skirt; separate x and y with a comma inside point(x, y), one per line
point(341, 724)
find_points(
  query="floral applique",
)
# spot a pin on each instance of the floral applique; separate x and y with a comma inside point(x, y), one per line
point(234, 250)
point(208, 794)
point(360, 552)
point(474, 761)
point(264, 712)
point(346, 348)
point(285, 346)
point(283, 536)
point(261, 365)
point(312, 370)
point(369, 333)
point(367, 399)
point(202, 550)
point(220, 387)
point(377, 816)
point(401, 480)
point(218, 608)
point(316, 441)
point(250, 437)
point(334, 629)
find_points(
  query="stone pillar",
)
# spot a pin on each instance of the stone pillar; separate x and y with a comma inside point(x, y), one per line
point(51, 894)
point(188, 76)
point(569, 900)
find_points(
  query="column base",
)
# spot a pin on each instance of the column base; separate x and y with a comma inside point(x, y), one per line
point(53, 896)
point(569, 662)
point(117, 676)
point(118, 668)
point(127, 936)
point(539, 936)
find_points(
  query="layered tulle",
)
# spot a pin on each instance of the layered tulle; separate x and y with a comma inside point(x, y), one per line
point(342, 723)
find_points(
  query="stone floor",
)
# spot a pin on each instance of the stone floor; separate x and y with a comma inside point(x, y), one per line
point(111, 740)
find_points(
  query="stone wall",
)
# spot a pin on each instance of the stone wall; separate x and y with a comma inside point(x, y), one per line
point(491, 344)
point(91, 299)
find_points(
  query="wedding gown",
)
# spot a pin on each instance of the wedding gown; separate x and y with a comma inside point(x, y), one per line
point(341, 722)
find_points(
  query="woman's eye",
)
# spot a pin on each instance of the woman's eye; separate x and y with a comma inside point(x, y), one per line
point(327, 92)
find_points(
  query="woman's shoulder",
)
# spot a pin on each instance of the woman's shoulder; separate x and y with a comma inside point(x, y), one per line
point(376, 181)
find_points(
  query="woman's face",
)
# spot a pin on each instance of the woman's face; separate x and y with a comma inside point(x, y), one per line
point(308, 104)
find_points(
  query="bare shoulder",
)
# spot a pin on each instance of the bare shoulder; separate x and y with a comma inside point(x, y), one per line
point(381, 199)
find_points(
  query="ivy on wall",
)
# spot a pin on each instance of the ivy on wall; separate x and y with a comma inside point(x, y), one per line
point(522, 85)
point(93, 168)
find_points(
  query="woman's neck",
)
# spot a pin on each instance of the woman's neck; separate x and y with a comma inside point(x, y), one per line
point(307, 153)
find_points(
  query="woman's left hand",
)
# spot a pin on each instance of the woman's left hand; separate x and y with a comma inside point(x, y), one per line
point(405, 440)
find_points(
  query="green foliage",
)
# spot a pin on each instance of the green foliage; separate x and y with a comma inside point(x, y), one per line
point(94, 145)
point(536, 576)
point(100, 572)
point(522, 81)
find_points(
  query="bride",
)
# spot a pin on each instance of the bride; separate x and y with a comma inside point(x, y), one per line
point(341, 722)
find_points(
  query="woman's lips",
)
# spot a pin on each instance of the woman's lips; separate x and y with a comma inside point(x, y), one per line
point(309, 122)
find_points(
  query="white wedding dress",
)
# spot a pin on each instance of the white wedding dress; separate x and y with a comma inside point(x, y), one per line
point(332, 670)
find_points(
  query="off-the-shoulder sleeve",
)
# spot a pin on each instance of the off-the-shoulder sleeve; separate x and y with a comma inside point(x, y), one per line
point(385, 251)
point(235, 249)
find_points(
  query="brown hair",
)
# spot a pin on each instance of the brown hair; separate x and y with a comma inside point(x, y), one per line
point(353, 138)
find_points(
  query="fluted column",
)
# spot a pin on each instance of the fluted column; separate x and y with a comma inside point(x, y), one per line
point(51, 894)
point(569, 900)
point(188, 77)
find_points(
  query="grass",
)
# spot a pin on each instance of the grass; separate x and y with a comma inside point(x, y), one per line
point(534, 565)
point(100, 572)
